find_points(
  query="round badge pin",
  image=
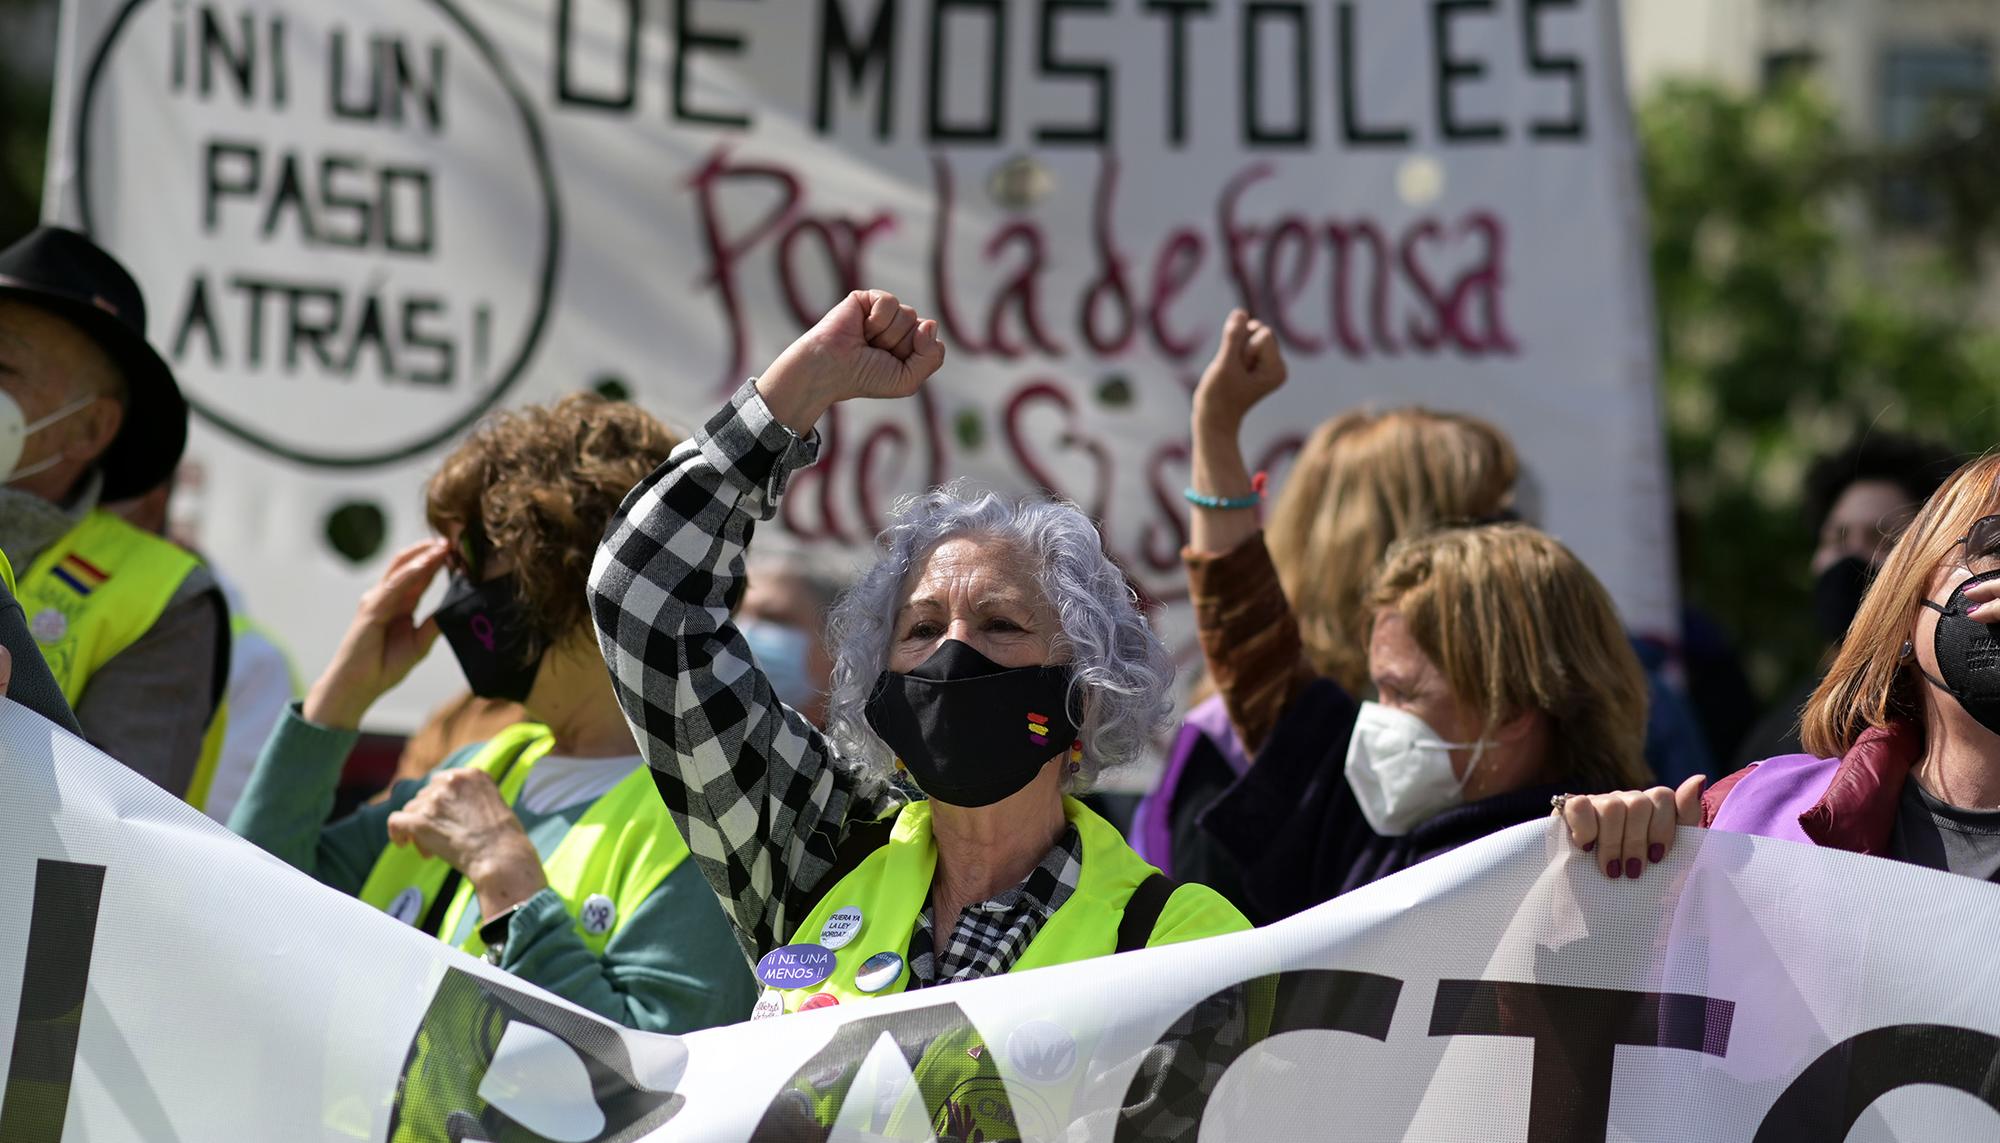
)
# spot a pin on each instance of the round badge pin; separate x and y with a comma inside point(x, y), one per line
point(819, 1000)
point(771, 1003)
point(795, 966)
point(407, 905)
point(840, 928)
point(49, 625)
point(879, 972)
point(1042, 1052)
point(598, 914)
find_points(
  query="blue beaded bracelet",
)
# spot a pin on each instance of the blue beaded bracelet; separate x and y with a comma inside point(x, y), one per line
point(1203, 500)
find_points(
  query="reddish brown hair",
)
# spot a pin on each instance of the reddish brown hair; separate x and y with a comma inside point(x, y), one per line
point(538, 485)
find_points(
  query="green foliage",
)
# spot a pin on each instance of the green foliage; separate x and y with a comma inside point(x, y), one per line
point(1786, 330)
point(24, 122)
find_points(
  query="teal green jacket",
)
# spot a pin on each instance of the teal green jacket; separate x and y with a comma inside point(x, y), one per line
point(673, 966)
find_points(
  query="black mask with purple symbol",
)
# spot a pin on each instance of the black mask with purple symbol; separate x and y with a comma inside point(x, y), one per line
point(488, 632)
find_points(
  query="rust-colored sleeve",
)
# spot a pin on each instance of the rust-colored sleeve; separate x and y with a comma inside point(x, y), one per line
point(1248, 636)
point(1712, 797)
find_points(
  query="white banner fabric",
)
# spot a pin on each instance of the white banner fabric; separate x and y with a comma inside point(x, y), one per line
point(360, 225)
point(168, 981)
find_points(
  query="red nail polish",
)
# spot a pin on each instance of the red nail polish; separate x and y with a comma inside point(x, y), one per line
point(1655, 852)
point(1632, 867)
point(1612, 870)
point(1589, 845)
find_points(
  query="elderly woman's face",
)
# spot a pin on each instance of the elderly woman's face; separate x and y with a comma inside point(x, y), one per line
point(981, 592)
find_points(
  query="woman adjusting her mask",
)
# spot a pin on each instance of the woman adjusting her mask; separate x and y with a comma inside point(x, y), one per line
point(545, 847)
point(1903, 734)
point(994, 658)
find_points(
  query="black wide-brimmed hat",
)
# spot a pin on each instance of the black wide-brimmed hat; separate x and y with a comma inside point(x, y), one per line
point(69, 275)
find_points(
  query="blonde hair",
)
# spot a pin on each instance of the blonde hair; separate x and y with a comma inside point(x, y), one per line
point(1363, 481)
point(1868, 685)
point(1515, 622)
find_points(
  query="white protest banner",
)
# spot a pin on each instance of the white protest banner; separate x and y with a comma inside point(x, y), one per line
point(162, 980)
point(360, 225)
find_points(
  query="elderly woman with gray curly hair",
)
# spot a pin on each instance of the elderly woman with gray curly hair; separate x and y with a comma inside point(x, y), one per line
point(994, 659)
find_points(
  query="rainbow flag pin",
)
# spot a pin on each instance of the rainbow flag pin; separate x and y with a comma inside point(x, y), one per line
point(1038, 728)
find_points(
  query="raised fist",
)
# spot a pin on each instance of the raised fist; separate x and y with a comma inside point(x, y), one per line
point(1247, 367)
point(870, 345)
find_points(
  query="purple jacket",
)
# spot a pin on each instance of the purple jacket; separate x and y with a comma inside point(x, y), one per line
point(1844, 803)
point(1152, 821)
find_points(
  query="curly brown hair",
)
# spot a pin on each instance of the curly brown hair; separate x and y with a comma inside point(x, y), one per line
point(538, 486)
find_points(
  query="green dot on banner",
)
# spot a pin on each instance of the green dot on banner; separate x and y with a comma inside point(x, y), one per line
point(356, 530)
point(970, 429)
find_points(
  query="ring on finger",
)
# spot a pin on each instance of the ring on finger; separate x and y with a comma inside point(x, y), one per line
point(1557, 803)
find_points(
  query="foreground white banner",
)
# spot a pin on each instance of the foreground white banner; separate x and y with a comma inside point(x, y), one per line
point(362, 224)
point(174, 983)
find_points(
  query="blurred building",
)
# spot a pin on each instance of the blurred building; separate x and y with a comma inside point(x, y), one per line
point(1913, 83)
point(1890, 66)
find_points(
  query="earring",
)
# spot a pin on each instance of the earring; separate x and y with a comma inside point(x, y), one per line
point(1076, 756)
point(1908, 650)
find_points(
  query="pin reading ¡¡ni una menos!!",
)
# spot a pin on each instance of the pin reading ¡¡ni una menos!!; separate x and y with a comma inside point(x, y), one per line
point(879, 972)
point(407, 905)
point(771, 1003)
point(840, 928)
point(795, 966)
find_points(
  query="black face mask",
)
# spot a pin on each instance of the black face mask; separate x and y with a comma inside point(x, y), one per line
point(971, 731)
point(1837, 595)
point(489, 635)
point(1968, 656)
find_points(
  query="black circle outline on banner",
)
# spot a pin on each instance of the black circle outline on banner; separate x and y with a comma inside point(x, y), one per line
point(544, 170)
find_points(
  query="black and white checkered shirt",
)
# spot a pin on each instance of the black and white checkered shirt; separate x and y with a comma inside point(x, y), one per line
point(756, 789)
point(753, 786)
point(991, 935)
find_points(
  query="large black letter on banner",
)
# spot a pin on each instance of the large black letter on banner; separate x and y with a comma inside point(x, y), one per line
point(1575, 1031)
point(808, 1103)
point(1829, 1097)
point(55, 974)
point(568, 92)
point(877, 50)
point(438, 1096)
point(1327, 1000)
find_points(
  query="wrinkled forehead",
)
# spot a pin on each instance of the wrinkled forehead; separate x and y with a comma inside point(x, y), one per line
point(17, 326)
point(36, 345)
point(1393, 649)
point(974, 571)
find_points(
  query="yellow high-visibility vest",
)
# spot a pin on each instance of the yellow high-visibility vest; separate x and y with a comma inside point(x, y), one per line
point(92, 594)
point(621, 849)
